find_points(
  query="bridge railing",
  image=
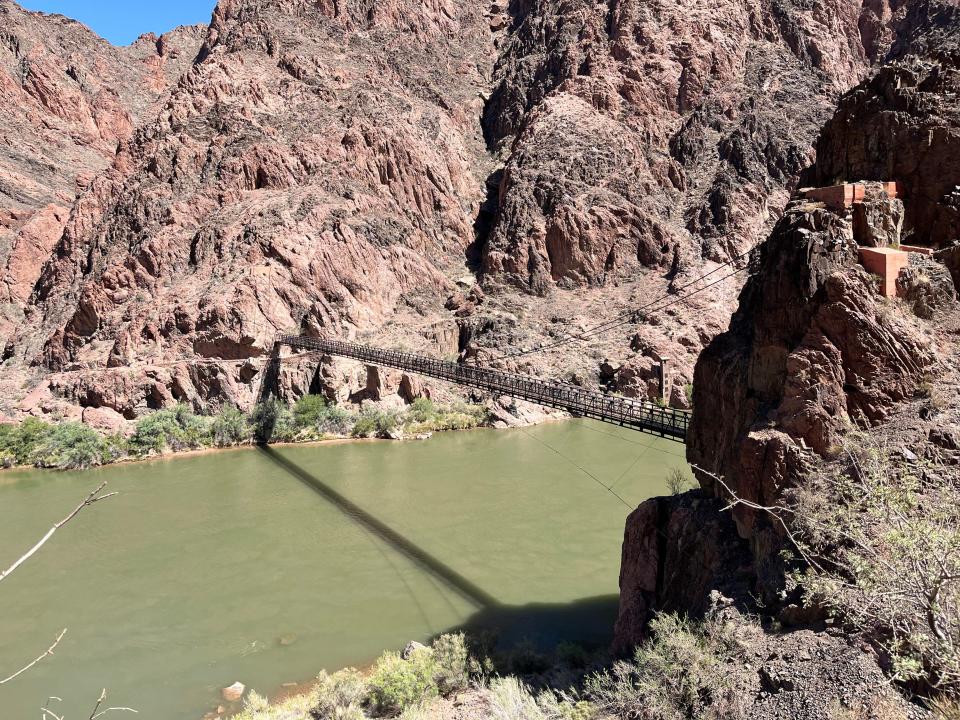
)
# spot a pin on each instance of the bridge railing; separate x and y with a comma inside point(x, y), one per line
point(667, 422)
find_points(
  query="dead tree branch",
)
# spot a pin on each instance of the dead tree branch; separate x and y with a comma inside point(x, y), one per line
point(103, 696)
point(92, 498)
point(47, 653)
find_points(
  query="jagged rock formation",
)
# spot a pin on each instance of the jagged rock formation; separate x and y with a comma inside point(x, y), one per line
point(902, 124)
point(336, 167)
point(292, 180)
point(69, 99)
point(644, 134)
point(813, 350)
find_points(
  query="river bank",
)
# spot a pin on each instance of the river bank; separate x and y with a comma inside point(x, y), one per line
point(70, 445)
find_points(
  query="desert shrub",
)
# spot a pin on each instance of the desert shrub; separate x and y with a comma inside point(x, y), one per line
point(452, 661)
point(373, 422)
point(945, 707)
point(229, 427)
point(18, 442)
point(397, 683)
point(273, 421)
point(365, 425)
point(677, 673)
point(336, 421)
point(679, 482)
point(510, 699)
point(460, 416)
point(309, 410)
point(69, 446)
point(175, 429)
point(421, 410)
point(872, 528)
point(340, 695)
point(688, 393)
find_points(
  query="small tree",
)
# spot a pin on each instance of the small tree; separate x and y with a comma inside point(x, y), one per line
point(309, 411)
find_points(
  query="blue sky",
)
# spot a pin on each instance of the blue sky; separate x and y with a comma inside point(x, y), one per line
point(123, 21)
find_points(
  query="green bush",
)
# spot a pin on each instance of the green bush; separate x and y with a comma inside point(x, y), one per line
point(309, 411)
point(229, 427)
point(397, 684)
point(69, 446)
point(422, 409)
point(452, 661)
point(176, 429)
point(340, 695)
point(375, 423)
point(678, 673)
point(273, 421)
point(18, 442)
point(336, 421)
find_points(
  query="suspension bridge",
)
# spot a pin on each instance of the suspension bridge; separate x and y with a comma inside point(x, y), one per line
point(627, 412)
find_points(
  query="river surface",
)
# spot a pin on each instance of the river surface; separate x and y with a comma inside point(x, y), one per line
point(265, 566)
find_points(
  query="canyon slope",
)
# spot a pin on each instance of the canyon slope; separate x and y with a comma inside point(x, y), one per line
point(70, 99)
point(455, 178)
point(816, 366)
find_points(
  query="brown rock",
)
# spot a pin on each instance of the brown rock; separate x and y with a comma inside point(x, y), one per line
point(104, 419)
point(234, 692)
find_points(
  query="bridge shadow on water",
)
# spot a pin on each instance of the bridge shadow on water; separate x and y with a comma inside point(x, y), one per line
point(588, 621)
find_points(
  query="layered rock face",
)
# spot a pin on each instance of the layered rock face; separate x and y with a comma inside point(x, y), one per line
point(813, 349)
point(313, 171)
point(648, 134)
point(69, 98)
point(339, 166)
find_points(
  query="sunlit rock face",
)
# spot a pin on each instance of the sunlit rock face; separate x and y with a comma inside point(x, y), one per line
point(69, 98)
point(339, 166)
point(814, 350)
point(643, 131)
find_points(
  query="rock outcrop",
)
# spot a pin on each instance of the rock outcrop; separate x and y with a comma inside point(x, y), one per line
point(641, 134)
point(70, 98)
point(813, 349)
point(902, 125)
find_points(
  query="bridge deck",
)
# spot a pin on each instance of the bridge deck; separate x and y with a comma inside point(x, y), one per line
point(635, 414)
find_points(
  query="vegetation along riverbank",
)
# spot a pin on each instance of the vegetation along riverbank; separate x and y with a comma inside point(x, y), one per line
point(74, 446)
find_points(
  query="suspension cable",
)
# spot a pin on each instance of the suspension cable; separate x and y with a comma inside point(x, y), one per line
point(628, 318)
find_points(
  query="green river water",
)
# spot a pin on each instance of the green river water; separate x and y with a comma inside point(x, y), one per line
point(265, 566)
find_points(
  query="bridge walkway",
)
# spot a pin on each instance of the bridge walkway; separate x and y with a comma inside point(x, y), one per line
point(627, 412)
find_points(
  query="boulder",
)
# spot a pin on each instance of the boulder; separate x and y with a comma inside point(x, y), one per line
point(104, 419)
point(233, 693)
point(412, 647)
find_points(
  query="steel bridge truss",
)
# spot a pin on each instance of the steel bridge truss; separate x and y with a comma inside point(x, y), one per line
point(627, 412)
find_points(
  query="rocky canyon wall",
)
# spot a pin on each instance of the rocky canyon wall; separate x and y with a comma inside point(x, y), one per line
point(643, 134)
point(339, 167)
point(813, 350)
point(69, 98)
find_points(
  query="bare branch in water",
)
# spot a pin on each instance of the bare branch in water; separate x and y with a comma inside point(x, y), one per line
point(47, 653)
point(92, 498)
